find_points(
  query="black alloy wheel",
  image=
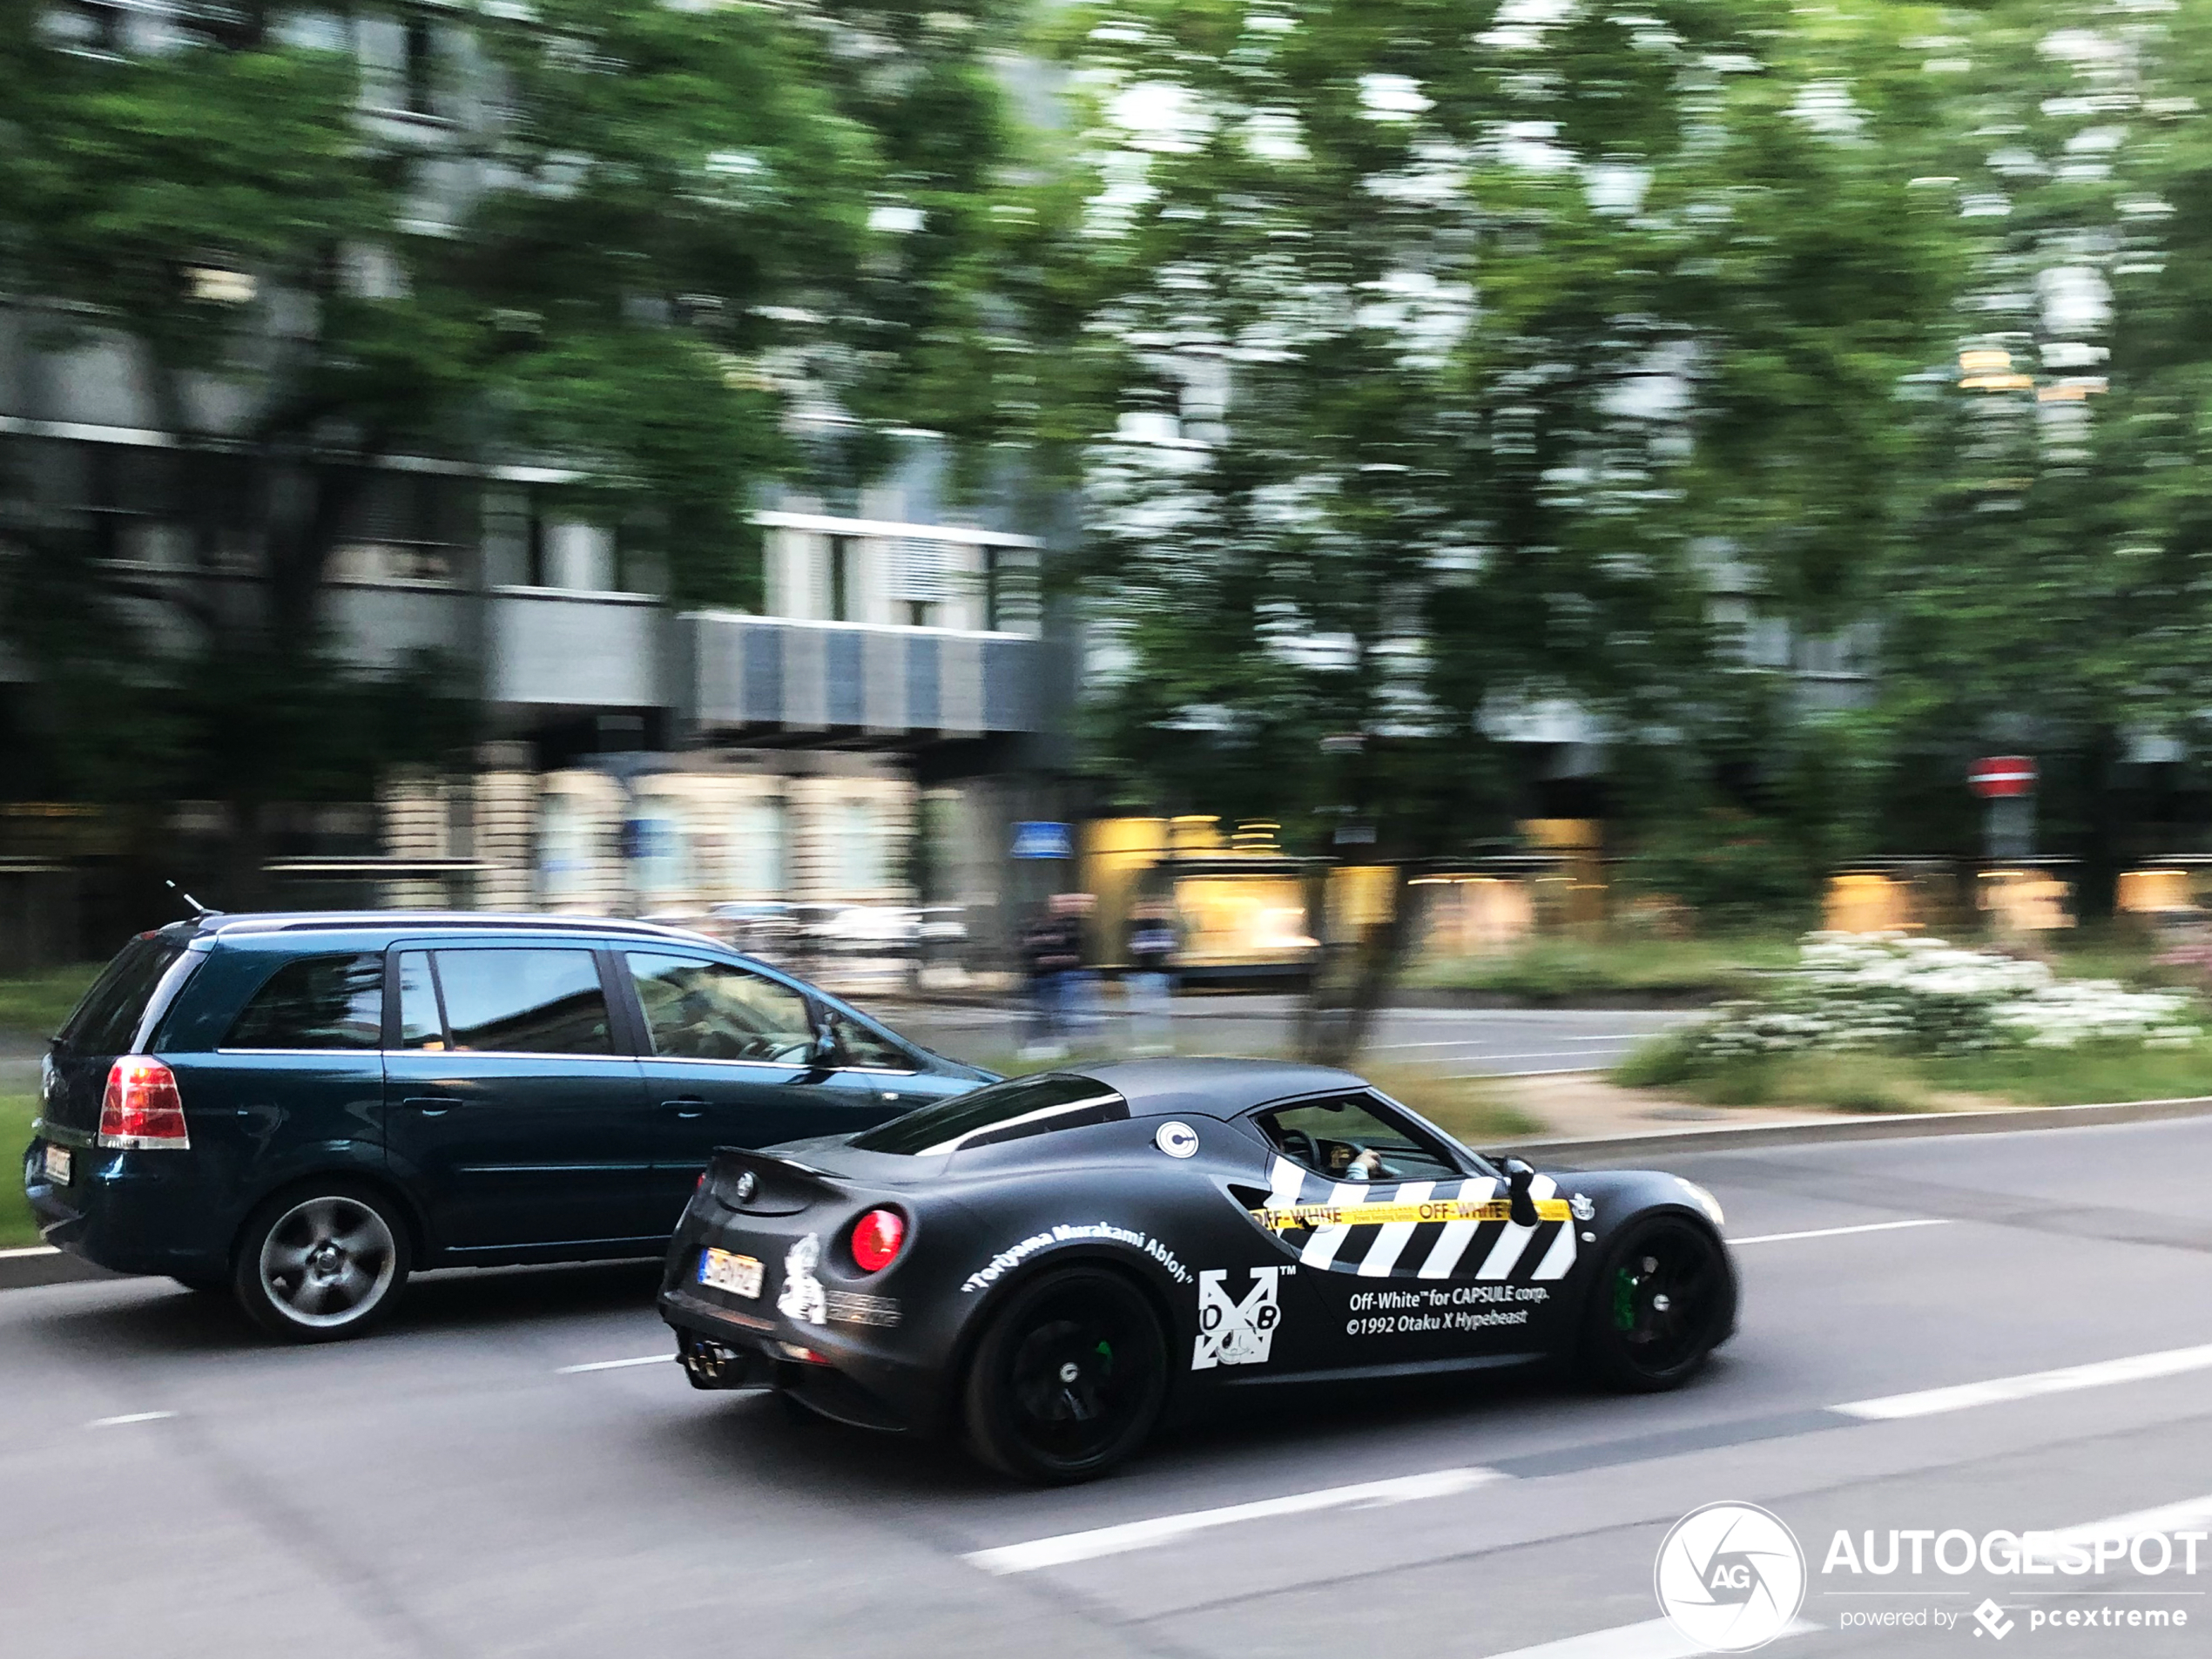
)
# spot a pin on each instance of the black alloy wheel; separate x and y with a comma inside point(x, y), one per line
point(321, 1262)
point(1664, 1298)
point(1068, 1379)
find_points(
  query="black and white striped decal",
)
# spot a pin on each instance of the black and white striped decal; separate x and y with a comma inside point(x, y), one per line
point(1464, 1247)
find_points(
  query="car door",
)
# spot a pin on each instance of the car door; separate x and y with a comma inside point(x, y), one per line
point(734, 1057)
point(1412, 1252)
point(294, 1077)
point(509, 1105)
point(873, 1071)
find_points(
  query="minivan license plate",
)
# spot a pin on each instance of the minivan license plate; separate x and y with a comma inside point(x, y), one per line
point(57, 1166)
point(725, 1270)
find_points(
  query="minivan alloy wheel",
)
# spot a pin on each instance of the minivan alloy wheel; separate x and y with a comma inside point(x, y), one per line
point(328, 1261)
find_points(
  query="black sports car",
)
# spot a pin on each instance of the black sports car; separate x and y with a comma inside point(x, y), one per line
point(1050, 1263)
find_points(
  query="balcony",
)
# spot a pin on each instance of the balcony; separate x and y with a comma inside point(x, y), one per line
point(745, 674)
point(552, 647)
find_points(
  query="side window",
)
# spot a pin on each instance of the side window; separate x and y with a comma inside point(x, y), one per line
point(315, 1002)
point(523, 1001)
point(1354, 1137)
point(421, 1024)
point(700, 1010)
point(853, 1044)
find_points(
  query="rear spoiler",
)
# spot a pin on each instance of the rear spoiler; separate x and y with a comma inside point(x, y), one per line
point(780, 1186)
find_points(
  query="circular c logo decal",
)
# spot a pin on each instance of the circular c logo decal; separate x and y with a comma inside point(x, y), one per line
point(1730, 1577)
point(1176, 1140)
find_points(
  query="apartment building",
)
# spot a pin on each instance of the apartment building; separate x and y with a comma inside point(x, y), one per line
point(867, 735)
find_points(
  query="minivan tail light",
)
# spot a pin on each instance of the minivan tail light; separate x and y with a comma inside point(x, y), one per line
point(142, 1110)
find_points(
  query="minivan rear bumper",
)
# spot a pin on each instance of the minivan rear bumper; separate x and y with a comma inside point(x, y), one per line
point(131, 1212)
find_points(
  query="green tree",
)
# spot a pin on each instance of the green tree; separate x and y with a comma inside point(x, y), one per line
point(1450, 345)
point(677, 251)
point(2056, 591)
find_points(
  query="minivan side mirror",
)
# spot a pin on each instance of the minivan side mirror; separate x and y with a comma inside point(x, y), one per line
point(1519, 1177)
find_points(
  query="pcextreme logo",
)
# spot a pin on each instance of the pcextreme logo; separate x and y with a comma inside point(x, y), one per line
point(1729, 1577)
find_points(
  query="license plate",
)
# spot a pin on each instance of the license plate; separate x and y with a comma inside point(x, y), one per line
point(725, 1270)
point(57, 1166)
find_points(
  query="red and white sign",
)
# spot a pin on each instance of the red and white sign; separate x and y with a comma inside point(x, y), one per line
point(2000, 777)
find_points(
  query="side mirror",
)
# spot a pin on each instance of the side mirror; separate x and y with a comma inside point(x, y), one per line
point(1519, 1177)
point(825, 1056)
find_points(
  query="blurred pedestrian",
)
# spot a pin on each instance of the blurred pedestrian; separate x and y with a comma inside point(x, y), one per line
point(1148, 986)
point(1051, 946)
point(1079, 1005)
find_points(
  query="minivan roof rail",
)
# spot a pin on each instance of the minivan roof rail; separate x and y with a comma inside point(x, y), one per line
point(354, 921)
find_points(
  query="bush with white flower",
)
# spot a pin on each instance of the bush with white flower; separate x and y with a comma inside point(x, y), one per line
point(1903, 994)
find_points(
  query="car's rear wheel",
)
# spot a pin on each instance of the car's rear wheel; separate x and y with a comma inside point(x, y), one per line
point(321, 1263)
point(1068, 1379)
point(1664, 1298)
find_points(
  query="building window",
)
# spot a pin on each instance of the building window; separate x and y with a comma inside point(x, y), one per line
point(568, 850)
point(419, 66)
point(661, 846)
point(762, 838)
point(860, 850)
point(841, 578)
point(88, 26)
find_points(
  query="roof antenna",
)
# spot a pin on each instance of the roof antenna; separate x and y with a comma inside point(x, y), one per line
point(198, 908)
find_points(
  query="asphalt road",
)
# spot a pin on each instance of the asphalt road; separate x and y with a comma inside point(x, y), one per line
point(456, 1485)
point(1456, 1040)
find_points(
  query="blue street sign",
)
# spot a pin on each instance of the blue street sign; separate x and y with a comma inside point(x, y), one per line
point(1041, 839)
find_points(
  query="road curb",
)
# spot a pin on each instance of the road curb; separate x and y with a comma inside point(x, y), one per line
point(46, 1266)
point(1885, 1127)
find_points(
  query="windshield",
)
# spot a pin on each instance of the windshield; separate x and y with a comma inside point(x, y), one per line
point(106, 1019)
point(1006, 1111)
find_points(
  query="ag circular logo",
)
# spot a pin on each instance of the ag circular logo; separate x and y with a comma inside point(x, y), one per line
point(1176, 1140)
point(1729, 1577)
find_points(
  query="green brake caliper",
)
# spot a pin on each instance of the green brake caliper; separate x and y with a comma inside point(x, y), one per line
point(1624, 1300)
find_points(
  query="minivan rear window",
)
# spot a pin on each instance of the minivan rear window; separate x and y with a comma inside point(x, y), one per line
point(316, 1002)
point(1008, 1111)
point(108, 1017)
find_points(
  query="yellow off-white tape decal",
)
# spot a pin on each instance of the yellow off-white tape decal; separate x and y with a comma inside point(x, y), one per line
point(1295, 1216)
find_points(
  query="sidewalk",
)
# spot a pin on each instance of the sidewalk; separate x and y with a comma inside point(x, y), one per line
point(1582, 1106)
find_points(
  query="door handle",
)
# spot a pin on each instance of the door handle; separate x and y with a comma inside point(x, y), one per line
point(690, 1106)
point(431, 1105)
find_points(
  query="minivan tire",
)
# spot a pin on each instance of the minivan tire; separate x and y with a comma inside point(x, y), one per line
point(321, 1262)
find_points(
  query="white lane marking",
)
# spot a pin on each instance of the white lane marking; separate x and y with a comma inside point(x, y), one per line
point(615, 1365)
point(1476, 1043)
point(1657, 1639)
point(1929, 1402)
point(1541, 1054)
point(1163, 1530)
point(129, 1417)
point(2189, 1515)
point(29, 1249)
point(1838, 1232)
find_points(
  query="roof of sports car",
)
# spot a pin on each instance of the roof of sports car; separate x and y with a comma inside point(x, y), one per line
point(1212, 1088)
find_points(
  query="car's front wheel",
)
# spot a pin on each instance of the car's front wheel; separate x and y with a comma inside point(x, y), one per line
point(321, 1263)
point(1069, 1378)
point(1664, 1299)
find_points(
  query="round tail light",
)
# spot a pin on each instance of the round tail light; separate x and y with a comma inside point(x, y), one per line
point(876, 1238)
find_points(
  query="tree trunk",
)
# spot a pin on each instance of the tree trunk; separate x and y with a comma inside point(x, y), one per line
point(1352, 980)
